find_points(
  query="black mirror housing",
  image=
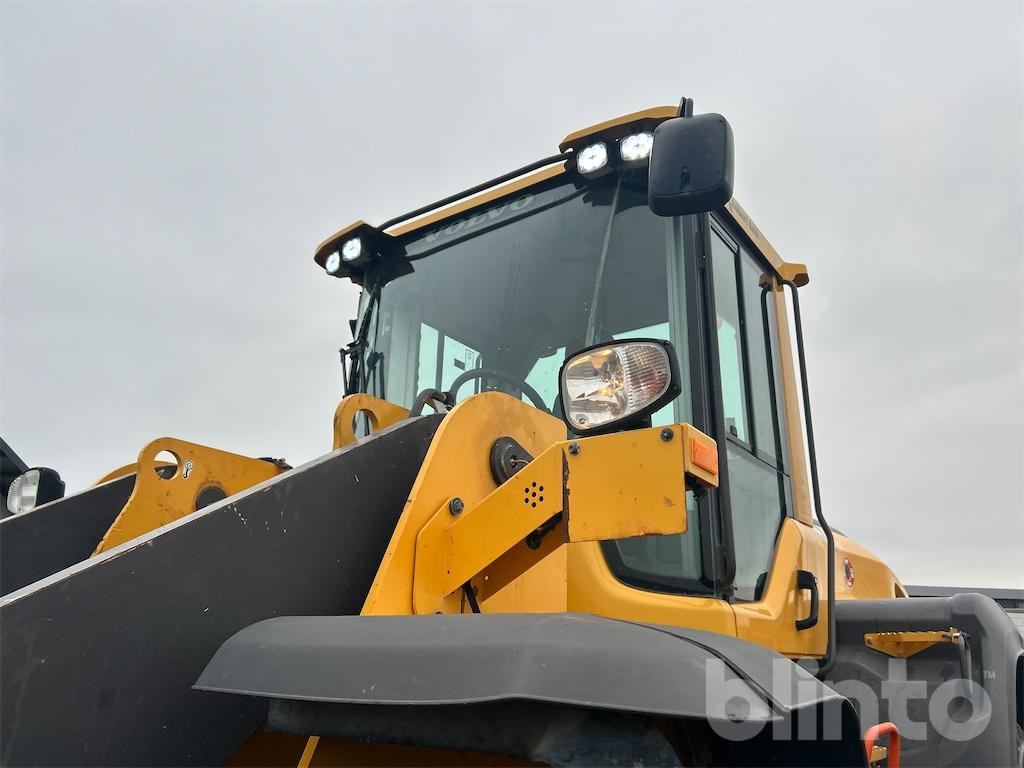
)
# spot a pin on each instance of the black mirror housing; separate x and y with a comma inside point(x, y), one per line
point(691, 165)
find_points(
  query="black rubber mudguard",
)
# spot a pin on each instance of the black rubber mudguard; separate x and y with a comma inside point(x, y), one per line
point(940, 725)
point(60, 534)
point(98, 660)
point(562, 689)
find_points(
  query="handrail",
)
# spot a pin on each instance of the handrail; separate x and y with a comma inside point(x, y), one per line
point(830, 649)
point(562, 156)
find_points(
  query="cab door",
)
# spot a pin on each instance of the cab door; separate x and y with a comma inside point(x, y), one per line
point(778, 573)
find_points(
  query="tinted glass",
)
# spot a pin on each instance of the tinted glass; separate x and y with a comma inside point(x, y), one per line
point(518, 286)
point(756, 313)
point(730, 345)
point(757, 511)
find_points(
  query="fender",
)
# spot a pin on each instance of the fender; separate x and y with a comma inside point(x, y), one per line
point(562, 689)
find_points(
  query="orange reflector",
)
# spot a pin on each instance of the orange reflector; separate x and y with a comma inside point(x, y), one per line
point(704, 456)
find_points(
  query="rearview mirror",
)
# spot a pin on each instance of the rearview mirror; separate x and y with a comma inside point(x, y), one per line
point(691, 165)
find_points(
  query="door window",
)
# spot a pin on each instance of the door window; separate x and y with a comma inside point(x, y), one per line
point(730, 349)
point(751, 405)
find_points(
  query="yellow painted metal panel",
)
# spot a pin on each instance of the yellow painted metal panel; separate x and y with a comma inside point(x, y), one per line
point(457, 464)
point(647, 118)
point(794, 425)
point(593, 588)
point(626, 484)
point(482, 534)
point(861, 574)
point(797, 273)
point(380, 413)
point(128, 469)
point(156, 501)
point(771, 620)
point(332, 242)
point(610, 486)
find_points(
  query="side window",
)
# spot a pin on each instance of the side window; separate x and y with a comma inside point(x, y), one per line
point(730, 348)
point(757, 512)
point(765, 394)
point(749, 400)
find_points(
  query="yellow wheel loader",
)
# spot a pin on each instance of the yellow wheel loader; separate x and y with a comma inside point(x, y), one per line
point(571, 517)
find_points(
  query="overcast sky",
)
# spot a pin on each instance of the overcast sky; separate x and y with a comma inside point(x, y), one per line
point(168, 168)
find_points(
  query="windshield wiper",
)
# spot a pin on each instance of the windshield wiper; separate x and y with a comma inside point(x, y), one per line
point(599, 278)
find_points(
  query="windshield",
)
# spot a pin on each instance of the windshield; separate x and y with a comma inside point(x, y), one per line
point(515, 287)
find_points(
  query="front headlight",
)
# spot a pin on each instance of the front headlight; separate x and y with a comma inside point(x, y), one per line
point(32, 489)
point(21, 496)
point(618, 385)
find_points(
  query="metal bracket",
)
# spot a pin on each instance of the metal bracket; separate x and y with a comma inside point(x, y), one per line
point(902, 645)
point(380, 413)
point(201, 476)
point(612, 486)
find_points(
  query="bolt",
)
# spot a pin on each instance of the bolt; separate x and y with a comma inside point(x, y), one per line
point(574, 448)
point(455, 506)
point(666, 434)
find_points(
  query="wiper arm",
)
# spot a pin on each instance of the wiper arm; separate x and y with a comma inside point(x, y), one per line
point(599, 278)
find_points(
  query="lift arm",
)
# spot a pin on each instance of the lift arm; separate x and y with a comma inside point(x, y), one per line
point(589, 489)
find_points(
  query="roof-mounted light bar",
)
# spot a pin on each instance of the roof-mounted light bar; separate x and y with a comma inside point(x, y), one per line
point(346, 252)
point(633, 151)
point(623, 142)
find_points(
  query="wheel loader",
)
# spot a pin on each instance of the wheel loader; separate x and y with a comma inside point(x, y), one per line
point(571, 516)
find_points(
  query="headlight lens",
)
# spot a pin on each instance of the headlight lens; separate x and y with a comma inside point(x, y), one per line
point(352, 249)
point(614, 383)
point(593, 158)
point(332, 263)
point(21, 496)
point(636, 147)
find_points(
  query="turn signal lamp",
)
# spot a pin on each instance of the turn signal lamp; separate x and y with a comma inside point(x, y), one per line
point(617, 386)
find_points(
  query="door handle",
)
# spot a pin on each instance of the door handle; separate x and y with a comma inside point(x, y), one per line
point(806, 580)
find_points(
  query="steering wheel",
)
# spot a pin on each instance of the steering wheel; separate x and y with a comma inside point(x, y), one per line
point(491, 373)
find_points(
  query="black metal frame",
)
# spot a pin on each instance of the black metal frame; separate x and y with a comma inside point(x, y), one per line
point(705, 331)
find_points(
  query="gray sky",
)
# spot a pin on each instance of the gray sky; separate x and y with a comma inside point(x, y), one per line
point(168, 168)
